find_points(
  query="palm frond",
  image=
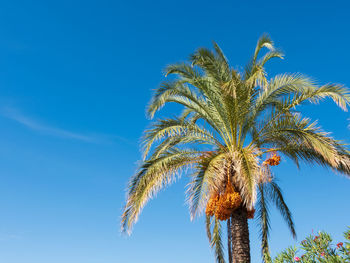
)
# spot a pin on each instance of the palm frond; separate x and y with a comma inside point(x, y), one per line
point(208, 224)
point(180, 130)
point(264, 41)
point(277, 197)
point(246, 175)
point(152, 177)
point(204, 178)
point(299, 153)
point(262, 214)
point(295, 130)
point(216, 242)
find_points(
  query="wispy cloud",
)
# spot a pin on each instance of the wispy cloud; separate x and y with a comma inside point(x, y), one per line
point(16, 115)
point(7, 237)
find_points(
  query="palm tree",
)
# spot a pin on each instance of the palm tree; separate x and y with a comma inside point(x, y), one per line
point(234, 126)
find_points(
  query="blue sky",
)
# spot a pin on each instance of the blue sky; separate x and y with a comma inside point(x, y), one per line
point(75, 77)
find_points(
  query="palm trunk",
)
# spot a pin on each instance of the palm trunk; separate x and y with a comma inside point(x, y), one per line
point(240, 236)
point(229, 240)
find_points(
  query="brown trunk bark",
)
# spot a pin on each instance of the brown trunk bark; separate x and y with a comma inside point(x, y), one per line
point(240, 236)
point(229, 240)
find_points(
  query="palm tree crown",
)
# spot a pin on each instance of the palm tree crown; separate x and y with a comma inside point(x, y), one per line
point(230, 124)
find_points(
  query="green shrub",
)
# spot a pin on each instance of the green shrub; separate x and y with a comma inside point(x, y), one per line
point(316, 248)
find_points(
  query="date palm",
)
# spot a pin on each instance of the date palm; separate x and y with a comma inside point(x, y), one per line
point(230, 123)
